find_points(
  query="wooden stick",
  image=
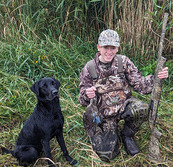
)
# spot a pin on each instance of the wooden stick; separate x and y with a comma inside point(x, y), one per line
point(154, 151)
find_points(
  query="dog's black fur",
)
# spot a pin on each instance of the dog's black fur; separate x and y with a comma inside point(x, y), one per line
point(43, 124)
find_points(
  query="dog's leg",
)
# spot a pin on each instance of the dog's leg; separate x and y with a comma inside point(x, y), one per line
point(25, 155)
point(61, 142)
point(47, 151)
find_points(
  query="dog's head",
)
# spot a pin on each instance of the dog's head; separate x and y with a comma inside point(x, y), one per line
point(46, 88)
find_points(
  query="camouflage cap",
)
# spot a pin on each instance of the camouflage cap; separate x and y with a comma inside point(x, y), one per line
point(109, 37)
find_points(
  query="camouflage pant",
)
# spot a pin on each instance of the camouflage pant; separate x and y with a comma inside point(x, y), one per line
point(135, 113)
point(104, 137)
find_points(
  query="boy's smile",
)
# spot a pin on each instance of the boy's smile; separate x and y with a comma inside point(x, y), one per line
point(107, 53)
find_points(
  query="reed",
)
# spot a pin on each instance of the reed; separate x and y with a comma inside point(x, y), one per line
point(17, 103)
point(138, 22)
point(56, 38)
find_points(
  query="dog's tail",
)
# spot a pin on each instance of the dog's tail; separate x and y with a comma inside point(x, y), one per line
point(4, 150)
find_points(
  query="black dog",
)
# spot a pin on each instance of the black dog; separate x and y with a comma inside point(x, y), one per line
point(43, 124)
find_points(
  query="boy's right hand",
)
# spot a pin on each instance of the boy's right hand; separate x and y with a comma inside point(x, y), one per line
point(90, 92)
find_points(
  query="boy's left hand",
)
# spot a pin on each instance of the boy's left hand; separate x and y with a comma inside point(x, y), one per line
point(164, 73)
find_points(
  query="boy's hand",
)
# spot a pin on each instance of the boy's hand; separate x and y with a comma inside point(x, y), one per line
point(90, 92)
point(164, 73)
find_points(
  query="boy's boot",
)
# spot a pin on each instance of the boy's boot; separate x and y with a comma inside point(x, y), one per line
point(127, 135)
point(135, 114)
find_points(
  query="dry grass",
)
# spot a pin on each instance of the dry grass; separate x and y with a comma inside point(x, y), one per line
point(138, 22)
point(80, 148)
point(32, 29)
point(79, 145)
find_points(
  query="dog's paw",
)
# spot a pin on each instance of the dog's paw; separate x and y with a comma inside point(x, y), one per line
point(71, 160)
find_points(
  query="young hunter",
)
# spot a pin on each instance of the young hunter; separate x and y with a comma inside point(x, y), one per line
point(105, 88)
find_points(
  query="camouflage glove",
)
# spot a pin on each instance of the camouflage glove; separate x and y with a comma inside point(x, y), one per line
point(96, 118)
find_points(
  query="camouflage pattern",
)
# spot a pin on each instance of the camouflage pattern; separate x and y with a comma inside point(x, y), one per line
point(109, 37)
point(90, 125)
point(105, 140)
point(114, 102)
point(119, 90)
point(135, 113)
point(110, 90)
point(154, 150)
point(104, 137)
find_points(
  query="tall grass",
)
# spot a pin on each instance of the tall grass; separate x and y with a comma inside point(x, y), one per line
point(138, 22)
point(24, 63)
point(56, 38)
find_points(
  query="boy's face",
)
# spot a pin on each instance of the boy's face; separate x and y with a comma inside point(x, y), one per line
point(107, 53)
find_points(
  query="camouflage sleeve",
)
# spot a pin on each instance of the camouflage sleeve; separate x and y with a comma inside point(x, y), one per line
point(85, 82)
point(139, 83)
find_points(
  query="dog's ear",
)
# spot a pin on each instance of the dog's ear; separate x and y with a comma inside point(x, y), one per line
point(35, 88)
point(57, 83)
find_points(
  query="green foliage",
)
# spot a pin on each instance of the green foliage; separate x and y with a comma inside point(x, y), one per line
point(24, 63)
point(149, 69)
point(64, 20)
point(56, 38)
point(14, 92)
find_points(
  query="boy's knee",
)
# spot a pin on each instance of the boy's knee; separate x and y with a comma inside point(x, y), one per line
point(137, 111)
point(108, 155)
point(106, 145)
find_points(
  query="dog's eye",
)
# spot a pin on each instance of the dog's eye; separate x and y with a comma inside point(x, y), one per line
point(44, 86)
point(53, 83)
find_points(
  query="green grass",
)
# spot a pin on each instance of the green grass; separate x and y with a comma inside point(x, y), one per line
point(56, 39)
point(22, 63)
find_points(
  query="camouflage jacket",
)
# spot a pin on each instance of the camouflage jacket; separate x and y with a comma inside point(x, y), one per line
point(112, 89)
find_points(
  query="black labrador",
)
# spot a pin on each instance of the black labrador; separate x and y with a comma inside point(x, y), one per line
point(43, 124)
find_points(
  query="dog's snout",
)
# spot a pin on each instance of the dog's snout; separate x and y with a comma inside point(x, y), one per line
point(54, 92)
